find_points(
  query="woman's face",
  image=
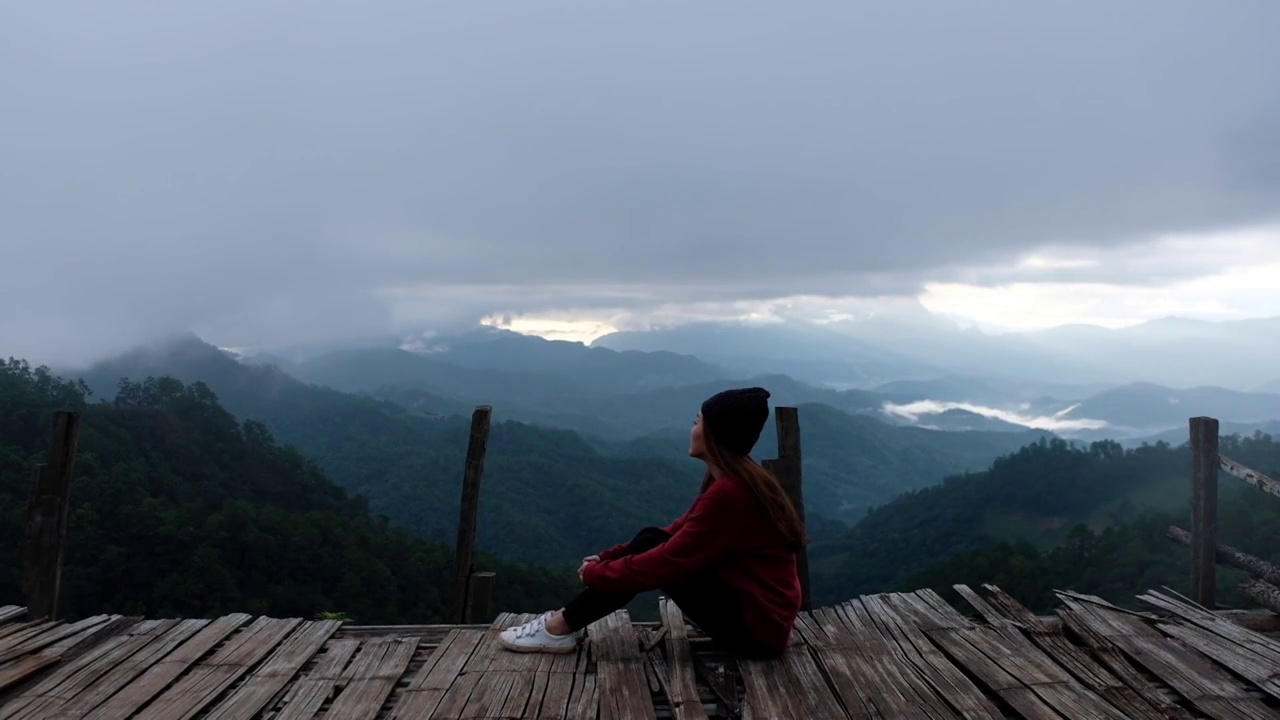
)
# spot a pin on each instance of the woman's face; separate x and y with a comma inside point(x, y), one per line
point(697, 448)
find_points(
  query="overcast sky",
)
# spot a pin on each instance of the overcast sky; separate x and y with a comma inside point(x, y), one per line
point(270, 171)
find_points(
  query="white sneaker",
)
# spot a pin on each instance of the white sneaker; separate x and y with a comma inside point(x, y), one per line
point(533, 637)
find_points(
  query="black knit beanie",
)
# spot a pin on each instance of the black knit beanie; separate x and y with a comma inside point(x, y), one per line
point(733, 419)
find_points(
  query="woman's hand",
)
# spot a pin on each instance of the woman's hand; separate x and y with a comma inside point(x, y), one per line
point(585, 561)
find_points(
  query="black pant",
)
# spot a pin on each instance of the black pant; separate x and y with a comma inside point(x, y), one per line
point(704, 600)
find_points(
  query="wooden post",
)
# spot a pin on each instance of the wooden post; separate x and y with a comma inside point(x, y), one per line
point(788, 468)
point(1204, 509)
point(476, 448)
point(47, 520)
point(480, 598)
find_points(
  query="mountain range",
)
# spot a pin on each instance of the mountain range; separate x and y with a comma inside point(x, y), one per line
point(591, 442)
point(614, 395)
point(549, 492)
point(914, 344)
point(389, 423)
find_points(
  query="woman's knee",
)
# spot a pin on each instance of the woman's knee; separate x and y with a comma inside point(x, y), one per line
point(649, 538)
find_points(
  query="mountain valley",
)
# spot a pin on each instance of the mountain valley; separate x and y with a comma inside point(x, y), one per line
point(905, 479)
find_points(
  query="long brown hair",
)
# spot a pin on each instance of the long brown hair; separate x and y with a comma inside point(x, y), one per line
point(763, 484)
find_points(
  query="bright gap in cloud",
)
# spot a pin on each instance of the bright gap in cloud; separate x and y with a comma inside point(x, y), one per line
point(1057, 422)
point(1110, 287)
point(1234, 294)
point(583, 331)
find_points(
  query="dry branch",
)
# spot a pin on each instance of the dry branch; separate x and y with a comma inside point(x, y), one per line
point(1228, 555)
point(1253, 477)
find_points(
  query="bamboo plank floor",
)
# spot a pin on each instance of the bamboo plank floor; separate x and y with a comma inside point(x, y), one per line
point(900, 655)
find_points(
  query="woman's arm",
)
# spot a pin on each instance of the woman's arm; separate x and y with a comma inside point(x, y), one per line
point(620, 549)
point(712, 527)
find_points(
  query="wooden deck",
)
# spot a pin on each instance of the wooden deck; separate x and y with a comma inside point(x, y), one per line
point(885, 656)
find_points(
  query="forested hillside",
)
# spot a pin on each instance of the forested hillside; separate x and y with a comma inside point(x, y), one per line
point(1048, 515)
point(178, 509)
point(548, 493)
point(853, 463)
point(1118, 562)
point(547, 496)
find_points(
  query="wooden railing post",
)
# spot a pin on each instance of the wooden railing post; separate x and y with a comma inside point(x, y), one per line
point(46, 529)
point(479, 598)
point(788, 469)
point(476, 448)
point(1204, 509)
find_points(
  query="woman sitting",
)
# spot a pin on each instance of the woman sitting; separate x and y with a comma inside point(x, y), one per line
point(729, 562)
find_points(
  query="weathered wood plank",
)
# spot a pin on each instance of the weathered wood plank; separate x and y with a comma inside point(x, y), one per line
point(908, 690)
point(585, 704)
point(1244, 662)
point(89, 634)
point(657, 672)
point(12, 629)
point(41, 699)
point(1113, 658)
point(949, 681)
point(70, 652)
point(19, 670)
point(1050, 638)
point(555, 698)
point(309, 694)
point(957, 642)
point(11, 612)
point(1028, 663)
point(378, 667)
point(268, 680)
point(524, 696)
point(12, 636)
point(1251, 655)
point(1210, 689)
point(425, 692)
point(490, 652)
point(791, 686)
point(142, 664)
point(853, 679)
point(863, 669)
point(621, 684)
point(1264, 646)
point(456, 697)
point(490, 694)
point(156, 677)
point(206, 680)
point(681, 683)
point(24, 644)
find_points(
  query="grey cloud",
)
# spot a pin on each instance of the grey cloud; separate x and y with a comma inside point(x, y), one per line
point(262, 168)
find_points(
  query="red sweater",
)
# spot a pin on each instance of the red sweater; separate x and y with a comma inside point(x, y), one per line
point(727, 532)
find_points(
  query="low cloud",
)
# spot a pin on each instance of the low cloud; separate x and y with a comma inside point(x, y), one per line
point(1057, 422)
